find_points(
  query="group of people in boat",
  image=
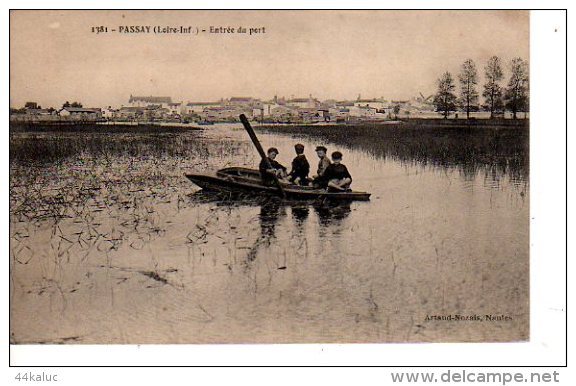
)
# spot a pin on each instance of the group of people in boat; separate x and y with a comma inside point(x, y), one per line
point(331, 175)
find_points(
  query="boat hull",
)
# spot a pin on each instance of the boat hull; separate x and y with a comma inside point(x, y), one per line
point(234, 180)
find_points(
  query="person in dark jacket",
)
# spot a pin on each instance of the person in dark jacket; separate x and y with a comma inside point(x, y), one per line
point(336, 176)
point(300, 167)
point(277, 169)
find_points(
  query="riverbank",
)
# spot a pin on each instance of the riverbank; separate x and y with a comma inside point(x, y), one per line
point(418, 122)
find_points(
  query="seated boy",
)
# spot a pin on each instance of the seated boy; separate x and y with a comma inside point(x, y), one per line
point(300, 167)
point(324, 160)
point(277, 169)
point(336, 176)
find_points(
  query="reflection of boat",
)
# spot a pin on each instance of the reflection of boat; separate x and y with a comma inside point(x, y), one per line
point(237, 179)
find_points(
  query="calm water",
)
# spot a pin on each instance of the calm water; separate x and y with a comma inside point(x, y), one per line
point(122, 250)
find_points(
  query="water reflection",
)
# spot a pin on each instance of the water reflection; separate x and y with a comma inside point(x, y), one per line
point(271, 210)
point(329, 213)
point(300, 213)
point(332, 212)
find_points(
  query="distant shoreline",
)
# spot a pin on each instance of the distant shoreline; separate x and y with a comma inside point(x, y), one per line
point(414, 123)
point(116, 127)
point(167, 127)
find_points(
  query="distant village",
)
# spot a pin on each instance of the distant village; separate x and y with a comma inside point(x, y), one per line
point(499, 102)
point(162, 109)
point(276, 110)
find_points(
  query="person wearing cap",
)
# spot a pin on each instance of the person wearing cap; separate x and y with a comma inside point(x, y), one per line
point(277, 169)
point(336, 176)
point(324, 161)
point(300, 167)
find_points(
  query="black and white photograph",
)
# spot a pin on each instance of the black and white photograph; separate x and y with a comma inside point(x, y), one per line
point(269, 177)
point(218, 178)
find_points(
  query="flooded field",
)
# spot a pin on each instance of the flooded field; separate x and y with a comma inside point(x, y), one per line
point(110, 243)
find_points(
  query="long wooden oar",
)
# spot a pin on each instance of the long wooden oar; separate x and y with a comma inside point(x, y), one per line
point(256, 143)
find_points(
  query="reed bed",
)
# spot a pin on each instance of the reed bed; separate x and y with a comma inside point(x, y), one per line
point(469, 148)
point(51, 147)
point(78, 198)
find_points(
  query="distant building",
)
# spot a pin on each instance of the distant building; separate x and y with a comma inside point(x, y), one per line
point(338, 113)
point(258, 112)
point(144, 101)
point(80, 113)
point(129, 112)
point(198, 107)
point(362, 111)
point(109, 112)
point(268, 106)
point(305, 103)
point(36, 111)
point(283, 113)
point(241, 101)
point(175, 108)
point(224, 113)
point(156, 112)
point(378, 104)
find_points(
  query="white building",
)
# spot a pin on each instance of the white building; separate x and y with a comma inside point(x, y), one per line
point(175, 108)
point(362, 111)
point(269, 106)
point(109, 112)
point(198, 107)
point(80, 113)
point(304, 103)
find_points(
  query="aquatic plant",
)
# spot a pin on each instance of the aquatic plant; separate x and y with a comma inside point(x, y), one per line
point(468, 148)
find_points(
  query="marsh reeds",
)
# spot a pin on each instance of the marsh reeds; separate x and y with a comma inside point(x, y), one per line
point(78, 198)
point(468, 148)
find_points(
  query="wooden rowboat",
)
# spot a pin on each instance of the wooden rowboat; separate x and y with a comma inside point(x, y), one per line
point(238, 179)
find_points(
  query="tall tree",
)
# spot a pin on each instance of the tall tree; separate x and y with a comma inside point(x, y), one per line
point(492, 89)
point(396, 110)
point(445, 99)
point(516, 95)
point(468, 78)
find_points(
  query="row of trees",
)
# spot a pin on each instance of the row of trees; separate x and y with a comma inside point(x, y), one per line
point(35, 106)
point(73, 104)
point(514, 97)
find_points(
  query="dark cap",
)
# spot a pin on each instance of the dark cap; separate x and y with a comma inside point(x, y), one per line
point(337, 155)
point(299, 148)
point(273, 149)
point(318, 148)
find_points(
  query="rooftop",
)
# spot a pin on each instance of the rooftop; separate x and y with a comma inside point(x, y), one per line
point(368, 100)
point(81, 110)
point(150, 99)
point(202, 103)
point(241, 99)
point(298, 100)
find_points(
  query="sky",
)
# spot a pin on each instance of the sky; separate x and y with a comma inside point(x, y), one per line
point(55, 56)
